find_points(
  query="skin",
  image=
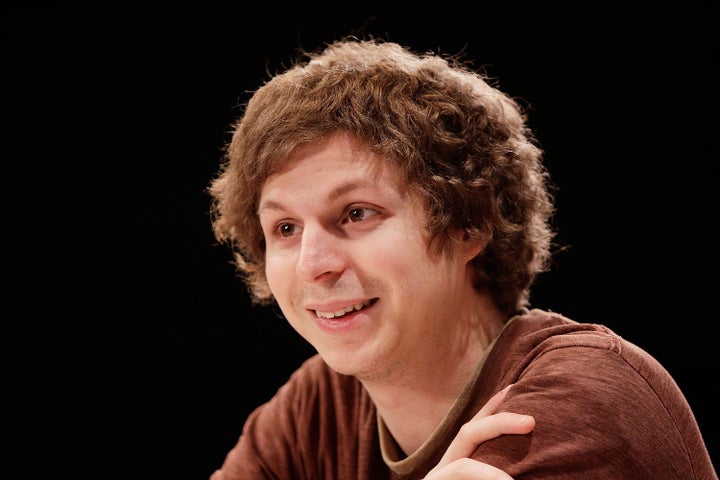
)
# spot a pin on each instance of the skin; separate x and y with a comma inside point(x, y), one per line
point(344, 233)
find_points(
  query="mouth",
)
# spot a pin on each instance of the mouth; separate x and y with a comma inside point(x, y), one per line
point(336, 314)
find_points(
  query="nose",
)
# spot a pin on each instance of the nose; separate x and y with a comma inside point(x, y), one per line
point(321, 256)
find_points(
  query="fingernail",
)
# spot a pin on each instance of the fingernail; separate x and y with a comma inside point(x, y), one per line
point(526, 419)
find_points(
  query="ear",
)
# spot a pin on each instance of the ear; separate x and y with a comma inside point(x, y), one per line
point(470, 247)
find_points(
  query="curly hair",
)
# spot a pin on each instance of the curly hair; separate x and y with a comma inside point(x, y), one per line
point(462, 144)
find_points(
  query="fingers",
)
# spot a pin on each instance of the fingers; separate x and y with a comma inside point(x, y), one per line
point(486, 425)
point(479, 430)
point(467, 469)
point(492, 405)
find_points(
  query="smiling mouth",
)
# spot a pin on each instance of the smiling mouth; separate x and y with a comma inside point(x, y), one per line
point(349, 309)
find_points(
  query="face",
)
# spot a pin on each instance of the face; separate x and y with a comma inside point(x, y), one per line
point(348, 262)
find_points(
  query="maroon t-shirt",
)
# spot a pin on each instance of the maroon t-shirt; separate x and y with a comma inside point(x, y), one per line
point(604, 409)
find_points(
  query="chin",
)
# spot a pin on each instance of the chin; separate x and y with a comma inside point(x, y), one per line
point(340, 362)
point(363, 370)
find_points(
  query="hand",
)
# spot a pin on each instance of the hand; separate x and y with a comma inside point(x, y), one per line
point(456, 464)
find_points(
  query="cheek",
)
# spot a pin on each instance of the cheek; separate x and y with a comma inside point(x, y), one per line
point(402, 259)
point(279, 271)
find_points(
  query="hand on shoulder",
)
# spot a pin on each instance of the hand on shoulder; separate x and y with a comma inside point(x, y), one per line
point(456, 463)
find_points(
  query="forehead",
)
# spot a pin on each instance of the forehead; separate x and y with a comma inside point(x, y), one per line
point(337, 155)
point(336, 169)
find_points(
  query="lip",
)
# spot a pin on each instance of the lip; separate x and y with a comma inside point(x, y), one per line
point(338, 305)
point(344, 323)
point(348, 308)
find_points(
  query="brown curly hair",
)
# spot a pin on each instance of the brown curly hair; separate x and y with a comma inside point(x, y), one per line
point(461, 143)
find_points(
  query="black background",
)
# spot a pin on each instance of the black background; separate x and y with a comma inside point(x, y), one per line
point(129, 346)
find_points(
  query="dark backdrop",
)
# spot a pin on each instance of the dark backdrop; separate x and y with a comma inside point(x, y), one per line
point(129, 346)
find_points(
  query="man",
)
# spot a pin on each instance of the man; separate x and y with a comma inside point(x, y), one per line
point(396, 208)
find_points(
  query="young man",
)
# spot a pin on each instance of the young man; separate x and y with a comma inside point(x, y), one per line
point(396, 208)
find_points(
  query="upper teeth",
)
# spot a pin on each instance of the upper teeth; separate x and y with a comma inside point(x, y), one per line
point(343, 311)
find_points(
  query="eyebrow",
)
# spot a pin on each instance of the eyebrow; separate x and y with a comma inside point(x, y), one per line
point(347, 187)
point(335, 193)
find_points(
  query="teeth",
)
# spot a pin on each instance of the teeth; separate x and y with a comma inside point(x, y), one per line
point(341, 312)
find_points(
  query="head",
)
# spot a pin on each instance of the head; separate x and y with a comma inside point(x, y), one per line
point(461, 144)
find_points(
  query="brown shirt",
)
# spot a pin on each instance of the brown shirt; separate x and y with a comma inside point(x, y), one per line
point(604, 409)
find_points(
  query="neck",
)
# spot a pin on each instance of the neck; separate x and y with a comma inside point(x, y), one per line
point(415, 400)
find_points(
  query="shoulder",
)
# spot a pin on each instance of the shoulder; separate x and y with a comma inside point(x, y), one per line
point(281, 437)
point(592, 391)
point(563, 351)
point(589, 370)
point(539, 332)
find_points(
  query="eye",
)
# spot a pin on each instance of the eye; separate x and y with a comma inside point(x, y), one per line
point(358, 214)
point(287, 229)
